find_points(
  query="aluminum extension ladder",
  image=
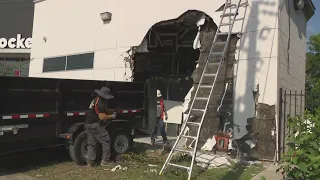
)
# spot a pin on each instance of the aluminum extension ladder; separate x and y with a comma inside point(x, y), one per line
point(219, 57)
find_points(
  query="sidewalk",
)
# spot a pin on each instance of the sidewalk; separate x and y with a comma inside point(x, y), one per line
point(268, 174)
point(15, 177)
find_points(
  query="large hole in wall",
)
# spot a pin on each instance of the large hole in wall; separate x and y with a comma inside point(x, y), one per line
point(166, 55)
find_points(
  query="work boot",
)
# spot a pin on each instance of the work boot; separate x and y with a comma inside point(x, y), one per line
point(106, 163)
point(165, 142)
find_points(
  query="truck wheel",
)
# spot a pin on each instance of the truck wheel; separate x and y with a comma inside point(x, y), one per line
point(121, 142)
point(78, 150)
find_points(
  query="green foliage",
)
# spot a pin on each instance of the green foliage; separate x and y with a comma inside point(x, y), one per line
point(313, 73)
point(302, 161)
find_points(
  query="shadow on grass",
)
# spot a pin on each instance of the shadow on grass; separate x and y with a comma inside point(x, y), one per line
point(30, 160)
point(237, 170)
point(25, 161)
point(145, 153)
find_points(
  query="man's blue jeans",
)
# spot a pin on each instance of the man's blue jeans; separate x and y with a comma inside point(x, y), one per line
point(161, 125)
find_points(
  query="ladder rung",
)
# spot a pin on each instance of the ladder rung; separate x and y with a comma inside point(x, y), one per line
point(209, 75)
point(235, 5)
point(222, 33)
point(225, 24)
point(184, 150)
point(231, 5)
point(213, 63)
point(228, 14)
point(193, 123)
point(202, 110)
point(217, 53)
point(179, 166)
point(205, 86)
point(239, 19)
point(191, 137)
point(220, 43)
point(244, 4)
point(201, 98)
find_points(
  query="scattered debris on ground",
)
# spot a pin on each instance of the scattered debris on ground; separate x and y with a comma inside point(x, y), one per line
point(118, 167)
point(212, 161)
point(144, 163)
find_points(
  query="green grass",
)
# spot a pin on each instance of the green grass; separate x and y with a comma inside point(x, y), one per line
point(138, 169)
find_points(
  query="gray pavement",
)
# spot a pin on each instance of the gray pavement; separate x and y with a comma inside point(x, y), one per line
point(15, 177)
point(269, 174)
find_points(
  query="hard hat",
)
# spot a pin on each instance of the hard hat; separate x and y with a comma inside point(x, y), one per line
point(159, 93)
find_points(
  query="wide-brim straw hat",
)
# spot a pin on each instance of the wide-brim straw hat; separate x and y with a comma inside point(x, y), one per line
point(105, 93)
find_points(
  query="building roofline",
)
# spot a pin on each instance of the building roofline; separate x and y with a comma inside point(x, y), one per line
point(309, 9)
point(310, 1)
point(37, 1)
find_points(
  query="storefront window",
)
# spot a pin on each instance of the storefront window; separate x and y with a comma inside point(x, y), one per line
point(14, 67)
point(24, 70)
point(2, 65)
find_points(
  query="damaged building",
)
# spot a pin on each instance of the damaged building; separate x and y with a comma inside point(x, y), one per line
point(166, 43)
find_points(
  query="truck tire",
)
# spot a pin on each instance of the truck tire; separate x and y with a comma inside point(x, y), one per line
point(121, 142)
point(78, 149)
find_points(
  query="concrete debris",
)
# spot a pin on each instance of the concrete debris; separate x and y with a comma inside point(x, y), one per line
point(230, 147)
point(212, 161)
point(186, 102)
point(196, 43)
point(127, 59)
point(152, 171)
point(152, 165)
point(249, 163)
point(254, 162)
point(208, 146)
point(215, 161)
point(118, 167)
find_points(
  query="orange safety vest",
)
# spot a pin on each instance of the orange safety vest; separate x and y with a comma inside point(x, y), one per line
point(95, 106)
point(162, 109)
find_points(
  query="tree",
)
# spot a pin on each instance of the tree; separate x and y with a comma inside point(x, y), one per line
point(313, 73)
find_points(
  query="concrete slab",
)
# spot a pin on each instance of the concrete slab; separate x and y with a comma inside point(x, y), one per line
point(147, 140)
point(269, 173)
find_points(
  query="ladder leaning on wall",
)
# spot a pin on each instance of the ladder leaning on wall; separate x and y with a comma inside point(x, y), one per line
point(218, 57)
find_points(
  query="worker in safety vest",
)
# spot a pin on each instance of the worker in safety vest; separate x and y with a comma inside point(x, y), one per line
point(98, 114)
point(161, 116)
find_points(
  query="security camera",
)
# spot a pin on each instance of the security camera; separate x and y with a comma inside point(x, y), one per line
point(106, 16)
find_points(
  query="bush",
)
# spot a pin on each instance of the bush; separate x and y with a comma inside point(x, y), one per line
point(302, 161)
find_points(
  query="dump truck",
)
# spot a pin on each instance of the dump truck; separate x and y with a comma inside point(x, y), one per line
point(46, 112)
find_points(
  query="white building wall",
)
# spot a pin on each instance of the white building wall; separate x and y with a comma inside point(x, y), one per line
point(77, 28)
point(292, 61)
point(257, 62)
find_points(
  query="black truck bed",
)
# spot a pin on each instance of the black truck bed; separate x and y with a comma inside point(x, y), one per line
point(35, 111)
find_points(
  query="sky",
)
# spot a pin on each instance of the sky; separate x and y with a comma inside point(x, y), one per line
point(313, 26)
